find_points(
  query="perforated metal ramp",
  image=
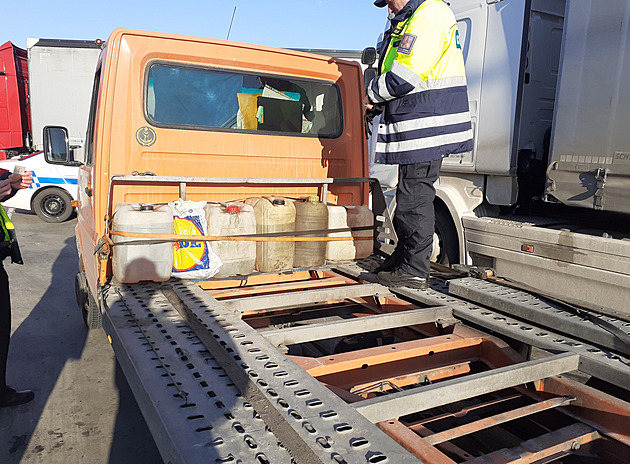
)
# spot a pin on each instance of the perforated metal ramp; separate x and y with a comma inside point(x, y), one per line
point(213, 389)
point(533, 309)
point(194, 410)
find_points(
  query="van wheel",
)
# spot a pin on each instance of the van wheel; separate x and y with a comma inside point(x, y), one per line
point(53, 205)
point(92, 316)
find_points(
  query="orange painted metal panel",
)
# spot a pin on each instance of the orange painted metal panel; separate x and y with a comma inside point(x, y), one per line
point(214, 153)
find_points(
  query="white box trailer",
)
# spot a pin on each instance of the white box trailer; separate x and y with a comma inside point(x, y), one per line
point(61, 73)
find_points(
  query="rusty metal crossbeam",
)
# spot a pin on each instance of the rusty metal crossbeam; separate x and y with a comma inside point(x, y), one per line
point(423, 398)
point(554, 444)
point(268, 303)
point(252, 290)
point(448, 348)
point(497, 419)
point(414, 378)
point(412, 442)
point(480, 407)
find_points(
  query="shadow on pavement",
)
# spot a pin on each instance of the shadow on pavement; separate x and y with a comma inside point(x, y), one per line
point(41, 346)
point(131, 430)
point(73, 407)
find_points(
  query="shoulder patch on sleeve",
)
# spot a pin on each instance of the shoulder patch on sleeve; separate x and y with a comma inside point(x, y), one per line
point(406, 44)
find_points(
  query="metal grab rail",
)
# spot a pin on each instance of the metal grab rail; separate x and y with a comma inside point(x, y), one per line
point(384, 235)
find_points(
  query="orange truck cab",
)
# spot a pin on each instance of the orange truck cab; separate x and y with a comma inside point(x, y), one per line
point(173, 109)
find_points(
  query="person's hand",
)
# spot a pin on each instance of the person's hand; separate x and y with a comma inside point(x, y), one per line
point(23, 181)
point(367, 103)
point(5, 188)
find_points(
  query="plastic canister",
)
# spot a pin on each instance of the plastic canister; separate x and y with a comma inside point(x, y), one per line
point(340, 217)
point(137, 262)
point(273, 214)
point(361, 216)
point(233, 218)
point(310, 214)
point(339, 251)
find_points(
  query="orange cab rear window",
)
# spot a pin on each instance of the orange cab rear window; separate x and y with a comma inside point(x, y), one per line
point(205, 98)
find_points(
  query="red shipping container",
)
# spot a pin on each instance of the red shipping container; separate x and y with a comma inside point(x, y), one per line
point(15, 120)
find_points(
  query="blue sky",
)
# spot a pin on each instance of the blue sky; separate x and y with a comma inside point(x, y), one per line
point(340, 24)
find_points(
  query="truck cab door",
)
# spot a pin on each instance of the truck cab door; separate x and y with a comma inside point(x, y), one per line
point(495, 47)
point(472, 22)
point(86, 235)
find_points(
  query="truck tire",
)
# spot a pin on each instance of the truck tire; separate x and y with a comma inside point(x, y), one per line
point(92, 316)
point(53, 205)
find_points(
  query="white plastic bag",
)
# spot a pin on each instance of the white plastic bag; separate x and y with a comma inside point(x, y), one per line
point(193, 260)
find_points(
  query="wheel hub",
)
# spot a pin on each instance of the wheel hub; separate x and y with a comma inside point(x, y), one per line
point(53, 206)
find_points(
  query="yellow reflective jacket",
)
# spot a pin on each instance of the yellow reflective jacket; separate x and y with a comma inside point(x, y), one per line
point(8, 242)
point(422, 84)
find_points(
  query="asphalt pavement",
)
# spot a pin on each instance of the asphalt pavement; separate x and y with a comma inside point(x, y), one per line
point(83, 411)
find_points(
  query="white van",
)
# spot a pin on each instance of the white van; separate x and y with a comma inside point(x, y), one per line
point(53, 190)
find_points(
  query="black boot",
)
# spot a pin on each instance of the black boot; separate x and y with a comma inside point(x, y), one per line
point(400, 278)
point(390, 263)
point(10, 397)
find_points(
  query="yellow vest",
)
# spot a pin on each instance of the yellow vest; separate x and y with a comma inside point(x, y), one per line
point(427, 43)
point(422, 85)
point(9, 237)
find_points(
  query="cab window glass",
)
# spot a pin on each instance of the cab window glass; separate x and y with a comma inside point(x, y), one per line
point(178, 96)
point(91, 128)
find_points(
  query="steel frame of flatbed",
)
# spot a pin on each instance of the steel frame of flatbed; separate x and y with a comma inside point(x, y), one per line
point(595, 360)
point(213, 389)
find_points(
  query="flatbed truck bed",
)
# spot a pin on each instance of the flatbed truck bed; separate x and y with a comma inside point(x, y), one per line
point(324, 366)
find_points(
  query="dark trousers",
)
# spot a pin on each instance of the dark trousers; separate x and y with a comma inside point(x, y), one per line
point(5, 325)
point(414, 219)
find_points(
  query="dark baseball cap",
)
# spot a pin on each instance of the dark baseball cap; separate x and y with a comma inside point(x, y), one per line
point(380, 3)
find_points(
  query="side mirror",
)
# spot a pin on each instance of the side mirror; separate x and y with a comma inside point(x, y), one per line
point(368, 56)
point(56, 146)
point(368, 75)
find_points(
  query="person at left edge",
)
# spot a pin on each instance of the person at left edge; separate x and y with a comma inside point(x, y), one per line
point(9, 185)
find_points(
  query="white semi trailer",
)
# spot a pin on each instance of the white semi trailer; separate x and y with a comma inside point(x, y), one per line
point(60, 85)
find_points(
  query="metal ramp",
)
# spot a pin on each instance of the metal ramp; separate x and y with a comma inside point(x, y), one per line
point(325, 369)
point(217, 397)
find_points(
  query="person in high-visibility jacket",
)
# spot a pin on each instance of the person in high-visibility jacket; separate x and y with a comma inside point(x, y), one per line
point(421, 88)
point(9, 185)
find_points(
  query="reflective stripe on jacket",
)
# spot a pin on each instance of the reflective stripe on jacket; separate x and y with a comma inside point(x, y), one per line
point(422, 86)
